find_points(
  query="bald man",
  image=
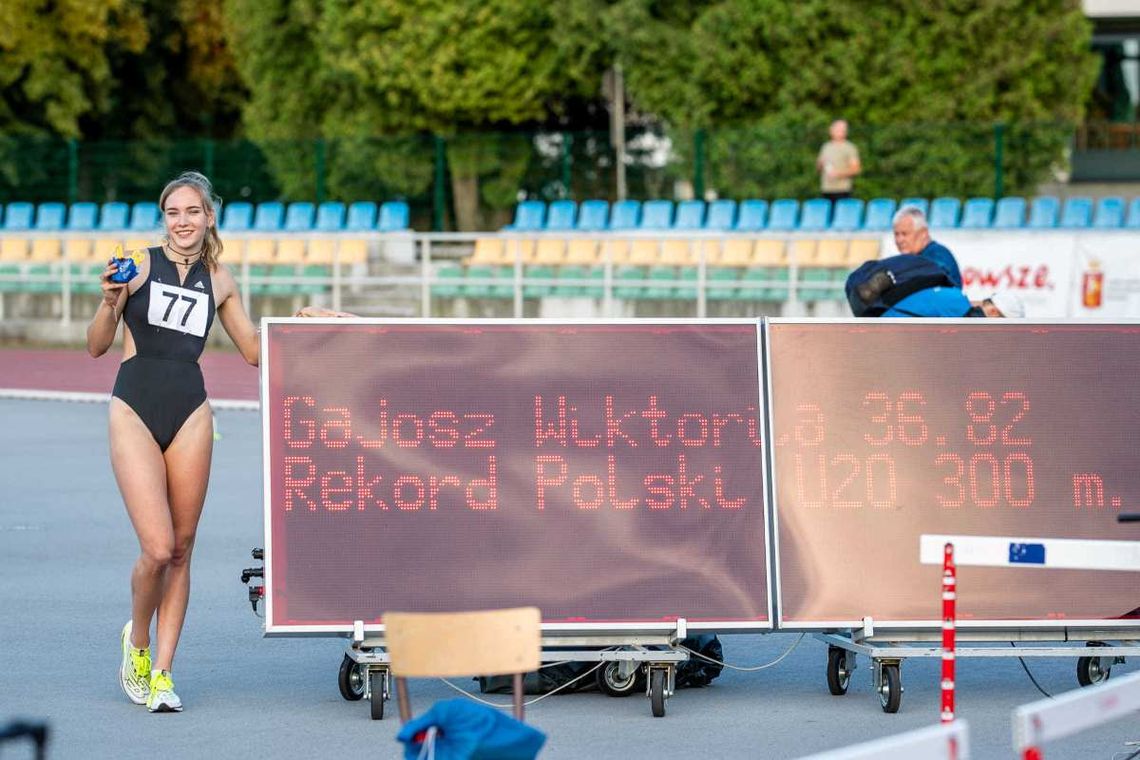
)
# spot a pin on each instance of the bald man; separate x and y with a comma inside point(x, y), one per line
point(838, 164)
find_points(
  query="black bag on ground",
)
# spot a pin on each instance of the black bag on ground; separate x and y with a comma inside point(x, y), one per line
point(879, 284)
point(696, 671)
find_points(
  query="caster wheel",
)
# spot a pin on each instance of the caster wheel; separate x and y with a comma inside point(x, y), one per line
point(376, 701)
point(890, 692)
point(657, 692)
point(1093, 670)
point(611, 683)
point(350, 680)
point(838, 677)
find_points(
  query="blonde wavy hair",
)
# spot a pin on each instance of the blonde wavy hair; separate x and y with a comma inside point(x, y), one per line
point(211, 203)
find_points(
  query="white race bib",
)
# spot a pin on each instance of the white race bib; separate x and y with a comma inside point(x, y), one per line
point(178, 308)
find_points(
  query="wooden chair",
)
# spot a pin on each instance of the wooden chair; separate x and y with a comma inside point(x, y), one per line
point(447, 645)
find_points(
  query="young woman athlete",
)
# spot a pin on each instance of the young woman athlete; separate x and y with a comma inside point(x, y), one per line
point(161, 427)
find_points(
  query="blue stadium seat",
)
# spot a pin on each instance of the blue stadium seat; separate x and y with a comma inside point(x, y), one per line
point(944, 212)
point(394, 216)
point(1043, 212)
point(1009, 213)
point(593, 215)
point(880, 213)
point(1132, 221)
point(561, 215)
point(1077, 213)
point(50, 217)
point(1109, 213)
point(920, 203)
point(19, 216)
point(237, 216)
point(114, 216)
point(269, 216)
point(529, 216)
point(82, 216)
point(299, 217)
point(624, 215)
point(978, 213)
point(721, 216)
point(361, 217)
point(690, 215)
point(848, 215)
point(815, 215)
point(656, 215)
point(753, 215)
point(144, 217)
point(330, 216)
point(782, 215)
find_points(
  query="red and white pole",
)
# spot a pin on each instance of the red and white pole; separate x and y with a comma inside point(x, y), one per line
point(949, 599)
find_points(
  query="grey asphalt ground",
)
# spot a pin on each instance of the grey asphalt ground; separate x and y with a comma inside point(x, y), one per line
point(66, 549)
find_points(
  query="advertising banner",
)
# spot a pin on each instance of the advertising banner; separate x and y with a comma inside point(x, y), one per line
point(885, 430)
point(607, 473)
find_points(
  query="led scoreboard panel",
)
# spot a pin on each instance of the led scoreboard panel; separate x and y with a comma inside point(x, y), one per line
point(609, 474)
point(887, 429)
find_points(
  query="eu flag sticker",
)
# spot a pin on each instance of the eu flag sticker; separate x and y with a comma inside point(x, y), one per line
point(1027, 554)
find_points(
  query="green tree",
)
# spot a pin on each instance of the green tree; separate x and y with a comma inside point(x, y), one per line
point(767, 75)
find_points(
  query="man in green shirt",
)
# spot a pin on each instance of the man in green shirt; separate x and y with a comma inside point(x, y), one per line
point(838, 163)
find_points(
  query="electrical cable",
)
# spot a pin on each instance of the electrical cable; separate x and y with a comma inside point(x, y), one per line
point(1031, 678)
point(743, 669)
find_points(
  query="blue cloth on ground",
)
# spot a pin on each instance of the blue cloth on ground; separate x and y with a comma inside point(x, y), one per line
point(471, 731)
point(941, 256)
point(931, 302)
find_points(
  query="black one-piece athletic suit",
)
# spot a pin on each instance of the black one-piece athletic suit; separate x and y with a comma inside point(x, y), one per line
point(169, 322)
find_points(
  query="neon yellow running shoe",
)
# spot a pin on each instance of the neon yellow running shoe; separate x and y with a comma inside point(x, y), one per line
point(162, 697)
point(134, 670)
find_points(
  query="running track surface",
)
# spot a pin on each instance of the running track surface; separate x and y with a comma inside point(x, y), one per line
point(61, 369)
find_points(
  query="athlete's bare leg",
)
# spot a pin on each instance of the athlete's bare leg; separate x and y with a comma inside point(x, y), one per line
point(187, 476)
point(141, 474)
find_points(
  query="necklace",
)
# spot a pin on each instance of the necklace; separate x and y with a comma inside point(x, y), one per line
point(186, 260)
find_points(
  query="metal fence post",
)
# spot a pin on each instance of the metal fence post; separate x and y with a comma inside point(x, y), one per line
point(439, 197)
point(320, 168)
point(699, 164)
point(999, 159)
point(567, 164)
point(72, 170)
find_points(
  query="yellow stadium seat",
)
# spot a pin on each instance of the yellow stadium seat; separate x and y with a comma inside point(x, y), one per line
point(831, 253)
point(134, 244)
point(232, 251)
point(676, 253)
point(104, 247)
point(290, 251)
point(353, 251)
point(804, 252)
point(582, 252)
point(321, 250)
point(770, 253)
point(712, 248)
point(488, 250)
point(618, 251)
point(550, 251)
point(78, 249)
point(737, 252)
point(862, 250)
point(644, 252)
point(523, 249)
point(46, 249)
point(260, 250)
point(13, 249)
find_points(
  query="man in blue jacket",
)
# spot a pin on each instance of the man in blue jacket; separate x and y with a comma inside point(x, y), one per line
point(912, 235)
point(932, 302)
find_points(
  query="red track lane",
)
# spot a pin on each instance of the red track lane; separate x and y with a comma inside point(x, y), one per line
point(227, 375)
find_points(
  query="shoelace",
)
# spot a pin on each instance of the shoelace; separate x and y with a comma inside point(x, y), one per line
point(141, 663)
point(162, 683)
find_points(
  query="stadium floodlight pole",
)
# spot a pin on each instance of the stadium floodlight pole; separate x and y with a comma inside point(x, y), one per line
point(617, 128)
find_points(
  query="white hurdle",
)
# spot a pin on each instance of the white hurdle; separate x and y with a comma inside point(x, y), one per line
point(949, 741)
point(1048, 719)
